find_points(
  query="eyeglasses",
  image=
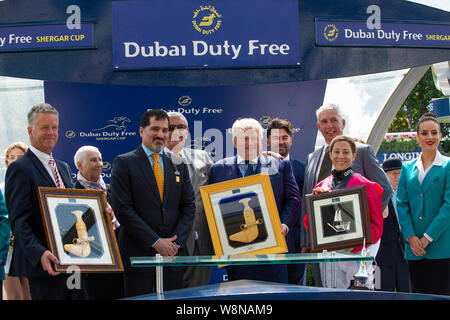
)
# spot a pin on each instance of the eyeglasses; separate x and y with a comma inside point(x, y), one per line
point(178, 126)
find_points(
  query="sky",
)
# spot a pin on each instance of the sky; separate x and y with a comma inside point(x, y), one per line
point(361, 98)
point(440, 4)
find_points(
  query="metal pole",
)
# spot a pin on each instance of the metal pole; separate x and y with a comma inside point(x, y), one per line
point(333, 270)
point(324, 268)
point(159, 275)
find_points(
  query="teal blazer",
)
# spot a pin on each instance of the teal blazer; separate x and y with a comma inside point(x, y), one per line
point(5, 231)
point(425, 208)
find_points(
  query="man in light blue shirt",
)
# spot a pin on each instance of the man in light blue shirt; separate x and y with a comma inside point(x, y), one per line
point(154, 203)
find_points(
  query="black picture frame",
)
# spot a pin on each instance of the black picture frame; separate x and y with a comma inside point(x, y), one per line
point(338, 219)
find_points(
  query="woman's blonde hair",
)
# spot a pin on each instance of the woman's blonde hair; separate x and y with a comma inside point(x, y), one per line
point(18, 144)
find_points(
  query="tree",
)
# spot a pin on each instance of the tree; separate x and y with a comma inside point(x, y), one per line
point(415, 105)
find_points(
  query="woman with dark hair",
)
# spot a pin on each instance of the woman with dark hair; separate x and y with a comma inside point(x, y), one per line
point(342, 154)
point(423, 205)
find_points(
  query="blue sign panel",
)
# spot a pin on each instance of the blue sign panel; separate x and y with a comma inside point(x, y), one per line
point(391, 34)
point(108, 116)
point(441, 108)
point(45, 37)
point(202, 34)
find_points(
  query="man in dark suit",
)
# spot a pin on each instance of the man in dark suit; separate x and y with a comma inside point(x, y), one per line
point(153, 201)
point(198, 162)
point(318, 164)
point(279, 139)
point(37, 168)
point(394, 269)
point(247, 139)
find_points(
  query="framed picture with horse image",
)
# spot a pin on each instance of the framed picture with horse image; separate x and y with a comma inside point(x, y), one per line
point(79, 232)
point(338, 219)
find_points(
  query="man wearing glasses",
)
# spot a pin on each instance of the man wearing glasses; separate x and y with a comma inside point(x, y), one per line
point(198, 243)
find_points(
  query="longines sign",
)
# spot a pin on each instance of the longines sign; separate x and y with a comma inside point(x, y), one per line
point(202, 34)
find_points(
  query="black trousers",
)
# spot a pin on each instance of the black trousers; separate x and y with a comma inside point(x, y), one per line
point(57, 288)
point(395, 277)
point(430, 276)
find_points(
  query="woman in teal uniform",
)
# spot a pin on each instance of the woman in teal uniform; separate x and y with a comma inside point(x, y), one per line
point(423, 205)
point(5, 230)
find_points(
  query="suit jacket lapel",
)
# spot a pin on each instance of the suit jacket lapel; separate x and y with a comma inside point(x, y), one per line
point(189, 155)
point(264, 164)
point(415, 183)
point(169, 175)
point(38, 164)
point(64, 174)
point(430, 177)
point(317, 165)
point(232, 170)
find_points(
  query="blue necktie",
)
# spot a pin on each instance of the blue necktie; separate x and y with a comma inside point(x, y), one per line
point(248, 169)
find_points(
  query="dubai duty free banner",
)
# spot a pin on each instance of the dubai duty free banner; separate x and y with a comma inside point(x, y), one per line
point(205, 34)
point(108, 116)
point(347, 32)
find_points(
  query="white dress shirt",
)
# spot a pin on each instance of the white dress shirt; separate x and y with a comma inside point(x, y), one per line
point(421, 173)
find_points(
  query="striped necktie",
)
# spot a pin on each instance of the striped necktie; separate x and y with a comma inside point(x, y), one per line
point(58, 180)
point(159, 176)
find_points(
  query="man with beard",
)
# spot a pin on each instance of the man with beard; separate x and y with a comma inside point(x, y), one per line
point(279, 139)
point(153, 200)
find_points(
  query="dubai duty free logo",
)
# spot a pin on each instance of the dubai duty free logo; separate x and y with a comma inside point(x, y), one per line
point(330, 32)
point(114, 129)
point(206, 20)
point(184, 101)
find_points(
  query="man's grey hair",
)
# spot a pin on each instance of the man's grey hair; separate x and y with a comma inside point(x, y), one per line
point(174, 114)
point(246, 124)
point(329, 106)
point(80, 155)
point(40, 108)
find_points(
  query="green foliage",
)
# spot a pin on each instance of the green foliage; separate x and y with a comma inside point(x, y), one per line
point(418, 100)
point(414, 106)
point(400, 124)
point(399, 144)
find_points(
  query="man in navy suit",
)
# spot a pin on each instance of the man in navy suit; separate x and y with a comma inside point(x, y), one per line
point(279, 139)
point(155, 215)
point(247, 138)
point(32, 258)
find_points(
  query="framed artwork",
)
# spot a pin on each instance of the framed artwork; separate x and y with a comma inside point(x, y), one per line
point(338, 219)
point(78, 229)
point(243, 217)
